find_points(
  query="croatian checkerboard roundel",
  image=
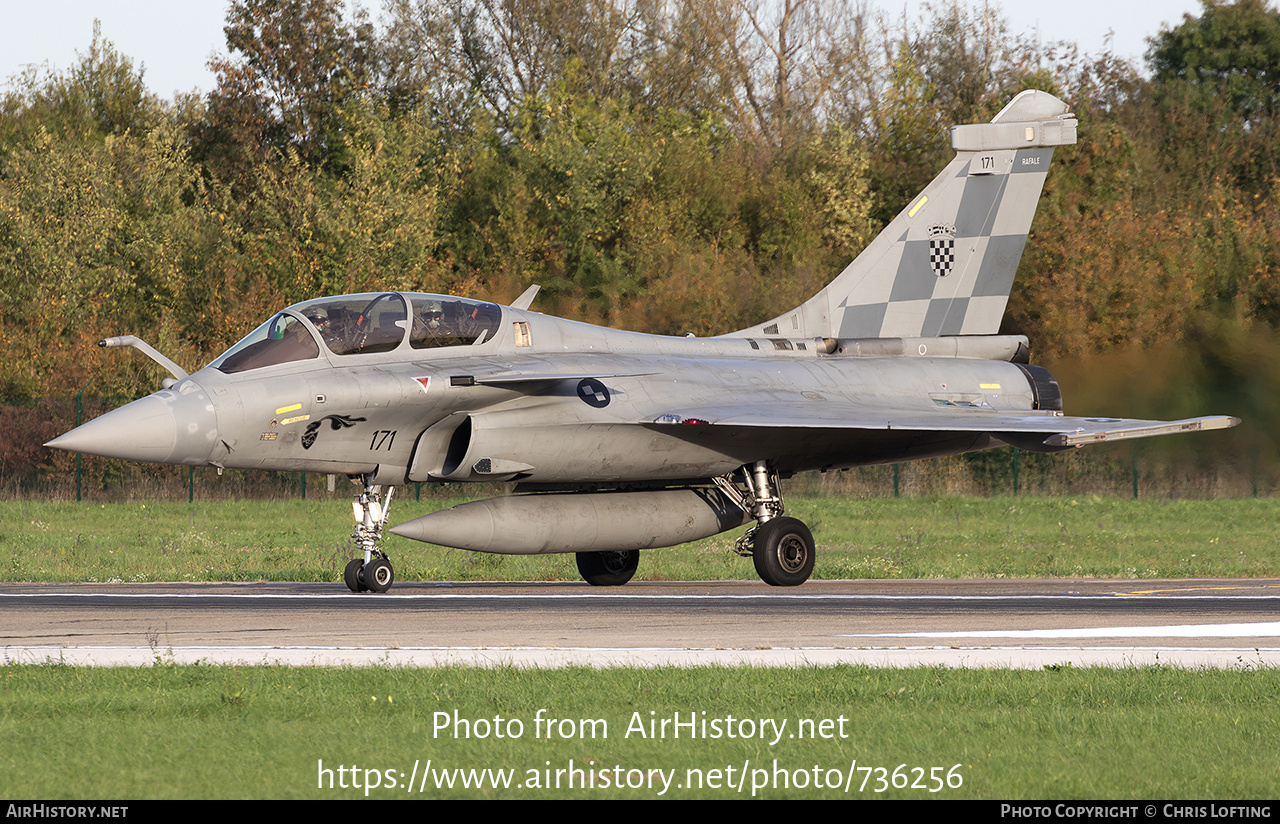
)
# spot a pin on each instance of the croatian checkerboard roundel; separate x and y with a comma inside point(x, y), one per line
point(942, 249)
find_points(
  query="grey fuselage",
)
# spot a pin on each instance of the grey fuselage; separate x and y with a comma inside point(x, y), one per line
point(496, 410)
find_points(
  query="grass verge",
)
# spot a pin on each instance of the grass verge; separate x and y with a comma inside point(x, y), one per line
point(240, 732)
point(857, 538)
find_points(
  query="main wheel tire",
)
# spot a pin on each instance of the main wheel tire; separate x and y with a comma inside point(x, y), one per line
point(608, 569)
point(783, 552)
point(378, 575)
point(351, 575)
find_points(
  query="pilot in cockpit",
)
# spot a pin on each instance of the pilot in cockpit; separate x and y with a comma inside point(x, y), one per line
point(320, 320)
point(434, 323)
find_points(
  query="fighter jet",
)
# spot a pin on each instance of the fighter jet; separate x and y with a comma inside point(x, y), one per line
point(617, 441)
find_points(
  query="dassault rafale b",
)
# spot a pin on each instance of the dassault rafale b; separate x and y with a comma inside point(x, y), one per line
point(619, 441)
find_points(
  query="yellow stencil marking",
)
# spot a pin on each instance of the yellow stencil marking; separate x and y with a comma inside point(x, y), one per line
point(291, 408)
point(988, 386)
point(1187, 589)
point(916, 208)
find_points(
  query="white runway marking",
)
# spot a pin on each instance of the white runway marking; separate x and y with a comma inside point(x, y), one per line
point(1267, 629)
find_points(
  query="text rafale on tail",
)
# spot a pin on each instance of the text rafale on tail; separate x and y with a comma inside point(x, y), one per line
point(620, 441)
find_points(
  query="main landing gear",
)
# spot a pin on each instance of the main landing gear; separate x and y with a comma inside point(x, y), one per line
point(372, 572)
point(781, 548)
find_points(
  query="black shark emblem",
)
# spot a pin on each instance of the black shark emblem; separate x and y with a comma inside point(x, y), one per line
point(336, 422)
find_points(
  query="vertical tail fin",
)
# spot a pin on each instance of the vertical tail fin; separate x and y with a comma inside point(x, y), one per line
point(945, 264)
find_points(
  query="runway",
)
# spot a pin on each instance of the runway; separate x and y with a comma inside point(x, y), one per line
point(971, 623)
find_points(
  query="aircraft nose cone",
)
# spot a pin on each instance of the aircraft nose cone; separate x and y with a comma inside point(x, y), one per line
point(175, 427)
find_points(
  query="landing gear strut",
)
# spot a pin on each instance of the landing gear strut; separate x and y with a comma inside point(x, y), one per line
point(781, 548)
point(372, 572)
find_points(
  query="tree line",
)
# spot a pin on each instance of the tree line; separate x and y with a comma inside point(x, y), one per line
point(668, 166)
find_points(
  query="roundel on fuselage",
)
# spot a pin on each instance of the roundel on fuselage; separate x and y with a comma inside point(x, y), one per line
point(593, 393)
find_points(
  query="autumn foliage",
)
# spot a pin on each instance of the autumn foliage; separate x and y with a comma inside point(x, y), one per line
point(691, 166)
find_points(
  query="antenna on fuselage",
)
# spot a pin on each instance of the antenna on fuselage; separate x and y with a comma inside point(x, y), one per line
point(526, 297)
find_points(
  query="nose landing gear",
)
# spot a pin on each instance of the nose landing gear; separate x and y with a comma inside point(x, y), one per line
point(373, 571)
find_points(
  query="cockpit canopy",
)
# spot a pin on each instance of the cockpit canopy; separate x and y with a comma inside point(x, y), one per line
point(361, 325)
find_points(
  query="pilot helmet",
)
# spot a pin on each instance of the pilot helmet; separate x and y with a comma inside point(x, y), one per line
point(432, 314)
point(318, 316)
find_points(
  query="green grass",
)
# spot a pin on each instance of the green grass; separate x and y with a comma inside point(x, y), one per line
point(857, 538)
point(234, 732)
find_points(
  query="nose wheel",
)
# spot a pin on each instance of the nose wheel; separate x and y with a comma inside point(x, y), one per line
point(377, 576)
point(353, 575)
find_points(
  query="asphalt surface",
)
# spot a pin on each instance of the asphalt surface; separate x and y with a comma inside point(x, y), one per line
point(1016, 622)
